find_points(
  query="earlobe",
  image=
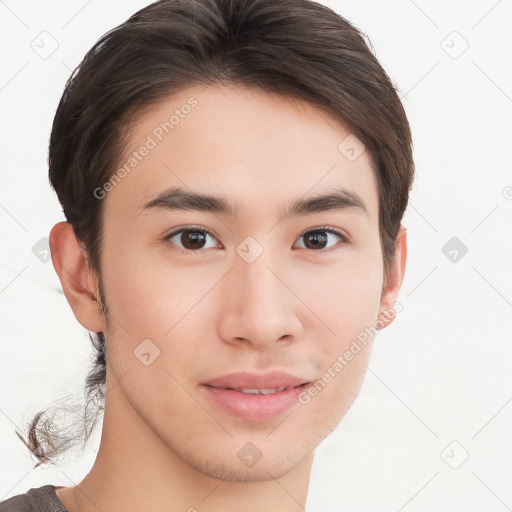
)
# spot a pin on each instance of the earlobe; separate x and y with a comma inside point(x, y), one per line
point(72, 266)
point(396, 277)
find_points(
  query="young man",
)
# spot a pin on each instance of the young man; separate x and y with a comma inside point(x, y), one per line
point(233, 175)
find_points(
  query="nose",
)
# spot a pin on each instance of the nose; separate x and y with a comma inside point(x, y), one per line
point(259, 304)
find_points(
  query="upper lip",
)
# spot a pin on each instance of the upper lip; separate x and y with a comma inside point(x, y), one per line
point(244, 380)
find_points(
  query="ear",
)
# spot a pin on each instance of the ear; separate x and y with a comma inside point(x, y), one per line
point(394, 283)
point(79, 283)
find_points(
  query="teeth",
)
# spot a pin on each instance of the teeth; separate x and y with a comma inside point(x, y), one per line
point(267, 391)
point(250, 391)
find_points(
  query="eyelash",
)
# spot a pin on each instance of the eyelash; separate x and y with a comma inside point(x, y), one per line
point(328, 229)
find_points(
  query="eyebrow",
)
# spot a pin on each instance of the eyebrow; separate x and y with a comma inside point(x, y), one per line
point(177, 198)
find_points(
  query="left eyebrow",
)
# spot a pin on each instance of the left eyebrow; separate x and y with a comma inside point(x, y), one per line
point(339, 199)
point(177, 198)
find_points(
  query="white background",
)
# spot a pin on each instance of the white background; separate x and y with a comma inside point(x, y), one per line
point(440, 373)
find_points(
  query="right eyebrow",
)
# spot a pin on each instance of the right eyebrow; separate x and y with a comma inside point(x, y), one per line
point(176, 198)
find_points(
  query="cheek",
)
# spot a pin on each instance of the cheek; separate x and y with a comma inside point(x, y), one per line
point(149, 304)
point(350, 311)
point(345, 296)
point(345, 300)
point(150, 299)
point(345, 363)
point(146, 294)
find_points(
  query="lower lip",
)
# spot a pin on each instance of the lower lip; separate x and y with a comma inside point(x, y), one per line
point(256, 408)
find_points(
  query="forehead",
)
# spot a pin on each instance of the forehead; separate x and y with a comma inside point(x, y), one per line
point(256, 148)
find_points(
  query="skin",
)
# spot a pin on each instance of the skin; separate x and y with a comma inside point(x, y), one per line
point(165, 445)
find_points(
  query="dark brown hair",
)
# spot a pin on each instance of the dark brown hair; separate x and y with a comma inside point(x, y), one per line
point(296, 48)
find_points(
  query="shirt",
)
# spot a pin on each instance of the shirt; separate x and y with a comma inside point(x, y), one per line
point(37, 499)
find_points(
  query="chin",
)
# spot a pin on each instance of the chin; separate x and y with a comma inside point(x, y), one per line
point(231, 469)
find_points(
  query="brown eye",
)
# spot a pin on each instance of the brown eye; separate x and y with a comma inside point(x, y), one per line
point(319, 239)
point(315, 240)
point(192, 239)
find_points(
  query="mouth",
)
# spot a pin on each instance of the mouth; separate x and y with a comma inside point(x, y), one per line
point(260, 391)
point(255, 398)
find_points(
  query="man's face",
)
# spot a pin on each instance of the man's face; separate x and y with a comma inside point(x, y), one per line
point(249, 290)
